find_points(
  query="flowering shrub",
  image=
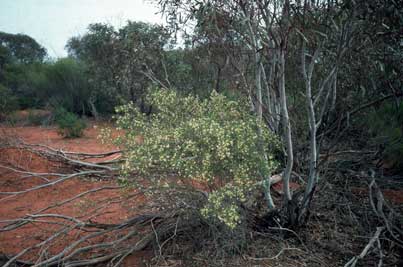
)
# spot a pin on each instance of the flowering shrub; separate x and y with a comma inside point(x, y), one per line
point(214, 142)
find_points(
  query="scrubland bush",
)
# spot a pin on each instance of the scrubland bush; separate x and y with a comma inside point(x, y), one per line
point(69, 124)
point(8, 102)
point(214, 145)
point(385, 124)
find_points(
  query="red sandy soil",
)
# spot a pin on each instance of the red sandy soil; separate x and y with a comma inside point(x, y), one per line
point(12, 242)
point(392, 195)
point(395, 196)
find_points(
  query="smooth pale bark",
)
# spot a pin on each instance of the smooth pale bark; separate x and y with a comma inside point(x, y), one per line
point(94, 111)
point(271, 101)
point(286, 127)
point(326, 93)
point(258, 87)
point(307, 74)
point(259, 112)
point(255, 45)
point(274, 107)
point(334, 93)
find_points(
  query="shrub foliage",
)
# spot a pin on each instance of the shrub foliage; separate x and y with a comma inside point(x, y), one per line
point(8, 102)
point(386, 128)
point(70, 125)
point(214, 142)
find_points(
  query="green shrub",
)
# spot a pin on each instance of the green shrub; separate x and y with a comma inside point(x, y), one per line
point(385, 124)
point(8, 101)
point(70, 125)
point(11, 119)
point(213, 142)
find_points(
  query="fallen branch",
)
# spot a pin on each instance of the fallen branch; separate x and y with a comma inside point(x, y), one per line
point(385, 212)
point(375, 238)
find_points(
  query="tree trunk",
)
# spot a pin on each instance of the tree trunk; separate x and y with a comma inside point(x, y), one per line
point(286, 128)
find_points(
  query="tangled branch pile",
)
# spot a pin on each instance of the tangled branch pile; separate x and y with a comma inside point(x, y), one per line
point(90, 242)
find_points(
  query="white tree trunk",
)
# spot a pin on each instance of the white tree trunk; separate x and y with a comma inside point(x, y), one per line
point(255, 46)
point(311, 119)
point(312, 141)
point(286, 127)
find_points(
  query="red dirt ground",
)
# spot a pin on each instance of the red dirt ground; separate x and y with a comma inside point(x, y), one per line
point(394, 196)
point(13, 242)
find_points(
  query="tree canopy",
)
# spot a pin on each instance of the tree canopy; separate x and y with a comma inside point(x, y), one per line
point(21, 48)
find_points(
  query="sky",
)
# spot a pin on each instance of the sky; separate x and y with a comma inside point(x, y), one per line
point(52, 22)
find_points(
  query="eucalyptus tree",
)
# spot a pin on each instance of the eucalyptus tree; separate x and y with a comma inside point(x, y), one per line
point(22, 48)
point(326, 34)
point(273, 31)
point(140, 49)
point(96, 51)
point(120, 63)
